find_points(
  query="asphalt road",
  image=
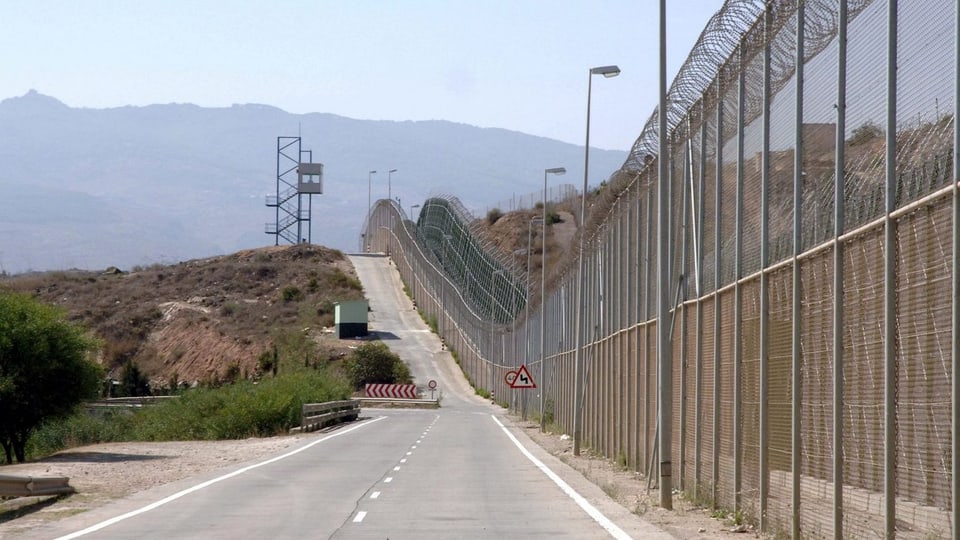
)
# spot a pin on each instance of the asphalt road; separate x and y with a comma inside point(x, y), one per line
point(461, 471)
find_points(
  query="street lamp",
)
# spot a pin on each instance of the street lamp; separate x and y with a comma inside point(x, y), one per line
point(543, 288)
point(389, 173)
point(606, 71)
point(369, 193)
point(412, 206)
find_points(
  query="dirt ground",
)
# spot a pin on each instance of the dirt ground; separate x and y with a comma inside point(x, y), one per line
point(629, 489)
point(105, 472)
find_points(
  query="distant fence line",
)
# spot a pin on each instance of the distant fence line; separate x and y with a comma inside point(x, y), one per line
point(555, 194)
point(815, 239)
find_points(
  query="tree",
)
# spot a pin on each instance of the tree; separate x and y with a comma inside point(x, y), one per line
point(44, 369)
point(133, 382)
point(373, 363)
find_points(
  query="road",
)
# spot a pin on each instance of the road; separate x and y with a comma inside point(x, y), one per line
point(461, 471)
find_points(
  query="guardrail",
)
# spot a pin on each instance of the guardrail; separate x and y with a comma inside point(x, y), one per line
point(128, 402)
point(316, 415)
point(31, 486)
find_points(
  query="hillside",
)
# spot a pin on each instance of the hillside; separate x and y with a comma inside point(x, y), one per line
point(207, 320)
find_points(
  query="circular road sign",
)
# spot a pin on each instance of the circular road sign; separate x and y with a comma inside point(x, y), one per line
point(432, 384)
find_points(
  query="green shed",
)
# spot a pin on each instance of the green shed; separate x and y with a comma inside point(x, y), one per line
point(351, 318)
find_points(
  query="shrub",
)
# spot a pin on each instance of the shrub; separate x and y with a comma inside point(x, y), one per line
point(133, 382)
point(374, 363)
point(291, 293)
point(494, 215)
point(236, 411)
point(865, 133)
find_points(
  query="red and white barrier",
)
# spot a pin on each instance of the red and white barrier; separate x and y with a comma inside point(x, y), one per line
point(400, 391)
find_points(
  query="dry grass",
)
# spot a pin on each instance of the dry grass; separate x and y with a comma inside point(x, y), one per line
point(193, 320)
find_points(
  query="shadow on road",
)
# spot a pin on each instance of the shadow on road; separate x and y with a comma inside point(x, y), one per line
point(377, 334)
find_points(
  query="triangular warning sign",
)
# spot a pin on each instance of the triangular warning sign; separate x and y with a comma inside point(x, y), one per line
point(523, 379)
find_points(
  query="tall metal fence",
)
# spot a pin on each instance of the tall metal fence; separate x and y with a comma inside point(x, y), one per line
point(815, 225)
point(556, 194)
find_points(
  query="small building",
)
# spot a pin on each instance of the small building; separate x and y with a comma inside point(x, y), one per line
point(351, 318)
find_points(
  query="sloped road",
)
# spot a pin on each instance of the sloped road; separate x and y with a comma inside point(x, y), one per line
point(461, 471)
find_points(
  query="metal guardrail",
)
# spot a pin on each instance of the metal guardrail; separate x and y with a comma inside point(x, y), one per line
point(31, 486)
point(316, 415)
point(137, 401)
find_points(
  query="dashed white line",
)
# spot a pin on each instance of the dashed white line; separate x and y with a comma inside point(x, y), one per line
point(404, 460)
point(409, 453)
point(397, 468)
point(375, 495)
point(359, 517)
point(388, 479)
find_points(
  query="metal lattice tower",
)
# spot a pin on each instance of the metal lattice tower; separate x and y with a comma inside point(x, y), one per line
point(295, 178)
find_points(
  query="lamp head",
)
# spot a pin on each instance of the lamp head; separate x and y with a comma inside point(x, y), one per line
point(556, 170)
point(606, 71)
point(372, 172)
point(392, 170)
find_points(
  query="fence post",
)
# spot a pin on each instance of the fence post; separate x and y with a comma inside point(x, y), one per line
point(737, 289)
point(796, 352)
point(717, 306)
point(889, 283)
point(764, 276)
point(838, 269)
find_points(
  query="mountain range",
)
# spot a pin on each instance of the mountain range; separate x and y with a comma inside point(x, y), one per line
point(90, 188)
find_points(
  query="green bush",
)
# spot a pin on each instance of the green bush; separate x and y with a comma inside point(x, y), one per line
point(374, 363)
point(494, 215)
point(237, 411)
point(291, 293)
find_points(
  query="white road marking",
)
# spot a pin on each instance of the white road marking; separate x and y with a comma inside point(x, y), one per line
point(375, 495)
point(359, 517)
point(591, 510)
point(409, 453)
point(404, 460)
point(397, 468)
point(198, 487)
point(388, 479)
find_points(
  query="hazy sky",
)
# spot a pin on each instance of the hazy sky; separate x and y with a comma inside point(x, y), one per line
point(515, 64)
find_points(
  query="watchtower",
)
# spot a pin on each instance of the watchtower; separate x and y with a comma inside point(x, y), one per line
point(296, 178)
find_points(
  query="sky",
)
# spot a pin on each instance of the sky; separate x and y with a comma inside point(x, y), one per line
point(515, 64)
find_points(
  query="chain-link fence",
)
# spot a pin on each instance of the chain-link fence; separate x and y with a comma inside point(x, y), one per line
point(814, 237)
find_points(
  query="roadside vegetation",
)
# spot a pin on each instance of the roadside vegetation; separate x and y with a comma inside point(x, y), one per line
point(242, 341)
point(244, 409)
point(44, 369)
point(268, 406)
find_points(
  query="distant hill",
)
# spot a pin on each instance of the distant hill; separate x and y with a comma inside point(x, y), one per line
point(91, 188)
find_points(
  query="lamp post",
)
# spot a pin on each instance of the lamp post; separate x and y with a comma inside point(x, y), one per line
point(606, 71)
point(389, 173)
point(412, 206)
point(543, 290)
point(370, 193)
